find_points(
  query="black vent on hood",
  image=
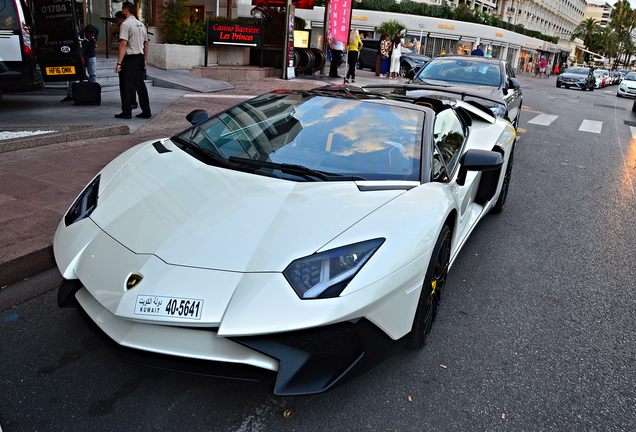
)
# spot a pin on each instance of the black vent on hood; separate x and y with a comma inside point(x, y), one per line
point(159, 147)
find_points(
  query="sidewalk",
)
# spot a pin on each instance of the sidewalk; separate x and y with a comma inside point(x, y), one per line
point(38, 184)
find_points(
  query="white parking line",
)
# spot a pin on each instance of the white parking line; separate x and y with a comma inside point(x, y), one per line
point(591, 126)
point(543, 119)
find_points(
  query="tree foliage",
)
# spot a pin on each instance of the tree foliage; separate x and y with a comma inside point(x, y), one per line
point(176, 25)
point(392, 27)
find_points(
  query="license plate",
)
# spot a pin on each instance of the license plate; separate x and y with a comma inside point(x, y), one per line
point(60, 70)
point(171, 307)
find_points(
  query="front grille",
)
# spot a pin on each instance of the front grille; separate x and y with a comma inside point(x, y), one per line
point(338, 338)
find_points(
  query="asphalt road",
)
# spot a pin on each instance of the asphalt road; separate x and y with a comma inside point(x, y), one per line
point(536, 330)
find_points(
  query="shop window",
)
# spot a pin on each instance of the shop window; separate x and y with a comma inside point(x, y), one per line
point(197, 13)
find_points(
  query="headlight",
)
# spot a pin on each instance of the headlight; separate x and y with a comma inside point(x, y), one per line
point(506, 137)
point(84, 204)
point(499, 110)
point(326, 274)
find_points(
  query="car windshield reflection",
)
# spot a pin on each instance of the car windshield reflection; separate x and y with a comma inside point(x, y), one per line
point(348, 137)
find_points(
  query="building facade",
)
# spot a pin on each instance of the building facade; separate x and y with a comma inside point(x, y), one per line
point(556, 18)
point(599, 10)
point(431, 34)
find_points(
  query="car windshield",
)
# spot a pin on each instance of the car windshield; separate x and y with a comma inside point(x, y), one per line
point(630, 77)
point(335, 135)
point(580, 71)
point(465, 71)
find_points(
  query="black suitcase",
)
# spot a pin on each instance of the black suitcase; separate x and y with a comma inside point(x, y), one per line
point(87, 93)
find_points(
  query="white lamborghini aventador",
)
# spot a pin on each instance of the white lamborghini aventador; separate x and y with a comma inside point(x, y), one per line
point(293, 239)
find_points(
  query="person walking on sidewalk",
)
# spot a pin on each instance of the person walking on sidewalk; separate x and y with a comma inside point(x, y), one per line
point(352, 57)
point(542, 65)
point(131, 62)
point(396, 53)
point(119, 17)
point(380, 57)
point(337, 52)
point(385, 46)
point(89, 42)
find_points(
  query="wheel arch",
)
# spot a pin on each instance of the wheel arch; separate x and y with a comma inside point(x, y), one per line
point(451, 221)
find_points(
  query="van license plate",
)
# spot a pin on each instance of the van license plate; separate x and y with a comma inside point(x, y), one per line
point(60, 70)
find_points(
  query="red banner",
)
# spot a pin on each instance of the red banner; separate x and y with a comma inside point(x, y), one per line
point(339, 14)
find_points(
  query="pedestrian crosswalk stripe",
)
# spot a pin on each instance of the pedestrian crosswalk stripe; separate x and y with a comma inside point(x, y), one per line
point(543, 119)
point(591, 126)
point(633, 131)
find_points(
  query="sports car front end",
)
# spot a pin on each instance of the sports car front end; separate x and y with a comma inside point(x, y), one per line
point(273, 242)
point(244, 272)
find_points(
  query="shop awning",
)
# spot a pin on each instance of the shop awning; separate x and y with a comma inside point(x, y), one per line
point(587, 51)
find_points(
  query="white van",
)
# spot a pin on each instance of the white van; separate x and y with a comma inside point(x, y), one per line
point(19, 71)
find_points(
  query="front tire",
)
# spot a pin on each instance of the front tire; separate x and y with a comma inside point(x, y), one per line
point(403, 70)
point(432, 290)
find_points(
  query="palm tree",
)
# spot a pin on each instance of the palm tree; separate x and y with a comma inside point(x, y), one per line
point(392, 27)
point(622, 16)
point(586, 31)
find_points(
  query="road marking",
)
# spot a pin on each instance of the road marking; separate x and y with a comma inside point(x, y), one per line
point(543, 119)
point(521, 130)
point(591, 126)
point(529, 110)
point(633, 131)
point(212, 95)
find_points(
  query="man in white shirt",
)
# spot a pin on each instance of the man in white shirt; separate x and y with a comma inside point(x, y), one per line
point(337, 51)
point(131, 63)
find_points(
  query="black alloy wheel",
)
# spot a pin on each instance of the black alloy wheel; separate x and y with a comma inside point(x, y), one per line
point(431, 291)
point(503, 195)
point(403, 70)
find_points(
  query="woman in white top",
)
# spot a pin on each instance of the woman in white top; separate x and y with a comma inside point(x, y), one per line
point(396, 53)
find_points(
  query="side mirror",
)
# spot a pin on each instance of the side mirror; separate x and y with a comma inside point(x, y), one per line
point(197, 116)
point(478, 160)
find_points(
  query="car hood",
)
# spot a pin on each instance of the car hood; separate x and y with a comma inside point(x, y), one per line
point(192, 214)
point(416, 57)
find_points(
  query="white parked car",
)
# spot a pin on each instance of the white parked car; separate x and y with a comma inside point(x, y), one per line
point(627, 87)
point(599, 79)
point(294, 239)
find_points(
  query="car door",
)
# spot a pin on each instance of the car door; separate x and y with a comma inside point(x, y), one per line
point(512, 94)
point(449, 138)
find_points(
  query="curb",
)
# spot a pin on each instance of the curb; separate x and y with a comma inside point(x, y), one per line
point(62, 134)
point(30, 264)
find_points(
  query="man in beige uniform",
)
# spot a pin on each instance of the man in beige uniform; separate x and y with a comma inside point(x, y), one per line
point(133, 50)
